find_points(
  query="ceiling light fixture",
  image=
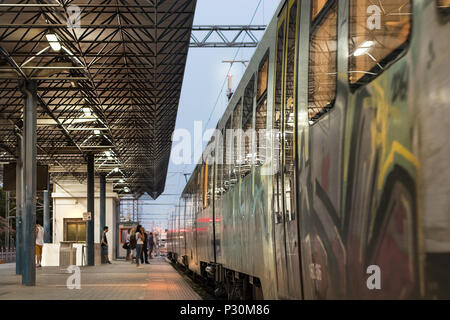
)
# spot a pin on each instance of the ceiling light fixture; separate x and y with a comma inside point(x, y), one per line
point(53, 41)
point(87, 112)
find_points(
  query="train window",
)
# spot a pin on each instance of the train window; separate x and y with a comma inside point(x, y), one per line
point(237, 142)
point(247, 154)
point(260, 128)
point(317, 6)
point(219, 165)
point(379, 32)
point(278, 92)
point(322, 62)
point(199, 175)
point(261, 112)
point(279, 70)
point(207, 177)
point(227, 154)
point(444, 5)
point(263, 73)
point(289, 116)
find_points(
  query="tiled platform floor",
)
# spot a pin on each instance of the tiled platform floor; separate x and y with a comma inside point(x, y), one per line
point(120, 280)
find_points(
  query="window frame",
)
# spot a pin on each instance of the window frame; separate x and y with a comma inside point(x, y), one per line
point(314, 24)
point(443, 12)
point(386, 62)
point(263, 95)
point(77, 221)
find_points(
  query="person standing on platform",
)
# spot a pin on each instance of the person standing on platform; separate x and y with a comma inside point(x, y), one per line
point(144, 248)
point(151, 244)
point(133, 244)
point(40, 233)
point(105, 245)
point(127, 245)
point(139, 244)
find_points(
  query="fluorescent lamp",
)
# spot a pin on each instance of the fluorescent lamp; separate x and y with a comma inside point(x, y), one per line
point(53, 41)
point(87, 112)
point(363, 48)
point(97, 132)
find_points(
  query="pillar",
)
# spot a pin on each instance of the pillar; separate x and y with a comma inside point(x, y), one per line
point(102, 207)
point(90, 208)
point(28, 88)
point(19, 204)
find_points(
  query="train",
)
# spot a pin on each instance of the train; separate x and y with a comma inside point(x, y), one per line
point(327, 175)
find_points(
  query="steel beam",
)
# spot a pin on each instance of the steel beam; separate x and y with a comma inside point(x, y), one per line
point(28, 88)
point(90, 208)
point(102, 207)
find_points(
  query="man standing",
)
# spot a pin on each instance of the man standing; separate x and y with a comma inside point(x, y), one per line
point(151, 243)
point(144, 248)
point(40, 233)
point(105, 245)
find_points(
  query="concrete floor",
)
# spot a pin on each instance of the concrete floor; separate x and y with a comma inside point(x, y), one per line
point(119, 281)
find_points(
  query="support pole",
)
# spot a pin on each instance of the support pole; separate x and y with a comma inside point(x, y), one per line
point(19, 204)
point(46, 216)
point(102, 207)
point(7, 221)
point(29, 89)
point(90, 208)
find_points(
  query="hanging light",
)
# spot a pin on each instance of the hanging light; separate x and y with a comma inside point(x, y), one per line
point(116, 169)
point(126, 189)
point(87, 111)
point(97, 132)
point(53, 41)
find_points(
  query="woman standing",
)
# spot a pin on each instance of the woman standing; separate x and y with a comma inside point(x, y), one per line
point(133, 244)
point(139, 243)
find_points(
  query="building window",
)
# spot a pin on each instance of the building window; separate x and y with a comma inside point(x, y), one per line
point(322, 62)
point(379, 32)
point(75, 230)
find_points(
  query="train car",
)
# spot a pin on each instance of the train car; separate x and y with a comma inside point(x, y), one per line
point(327, 176)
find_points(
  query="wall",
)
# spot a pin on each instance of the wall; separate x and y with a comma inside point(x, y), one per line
point(69, 201)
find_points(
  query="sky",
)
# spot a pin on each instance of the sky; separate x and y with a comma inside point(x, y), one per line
point(202, 89)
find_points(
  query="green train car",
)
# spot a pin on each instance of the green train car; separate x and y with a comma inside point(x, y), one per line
point(327, 176)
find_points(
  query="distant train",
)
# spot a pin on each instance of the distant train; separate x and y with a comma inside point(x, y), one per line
point(328, 176)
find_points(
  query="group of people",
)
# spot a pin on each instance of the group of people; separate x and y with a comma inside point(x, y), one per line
point(139, 245)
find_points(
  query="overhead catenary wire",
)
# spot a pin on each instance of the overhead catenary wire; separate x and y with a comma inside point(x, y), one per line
point(231, 65)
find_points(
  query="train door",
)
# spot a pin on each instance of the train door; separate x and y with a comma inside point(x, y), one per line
point(280, 240)
point(288, 151)
point(284, 202)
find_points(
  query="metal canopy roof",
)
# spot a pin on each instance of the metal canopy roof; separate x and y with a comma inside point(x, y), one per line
point(113, 87)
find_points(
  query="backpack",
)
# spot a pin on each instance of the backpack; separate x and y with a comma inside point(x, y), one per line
point(133, 243)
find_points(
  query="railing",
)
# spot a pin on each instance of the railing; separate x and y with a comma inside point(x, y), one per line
point(7, 255)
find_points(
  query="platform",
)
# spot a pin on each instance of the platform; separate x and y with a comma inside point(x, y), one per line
point(119, 281)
